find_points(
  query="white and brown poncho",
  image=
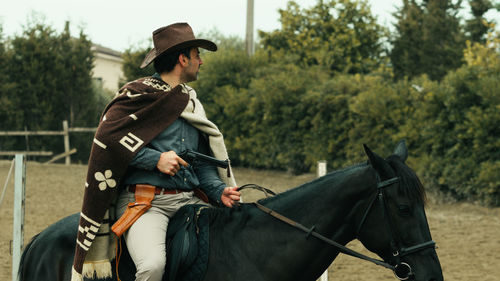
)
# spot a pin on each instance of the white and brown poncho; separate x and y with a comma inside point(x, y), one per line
point(141, 110)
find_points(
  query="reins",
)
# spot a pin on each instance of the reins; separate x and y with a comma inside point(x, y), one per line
point(257, 187)
point(400, 252)
point(310, 231)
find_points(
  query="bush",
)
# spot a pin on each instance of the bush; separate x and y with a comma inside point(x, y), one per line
point(279, 115)
point(457, 121)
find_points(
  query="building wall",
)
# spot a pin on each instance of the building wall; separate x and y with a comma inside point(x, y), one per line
point(107, 67)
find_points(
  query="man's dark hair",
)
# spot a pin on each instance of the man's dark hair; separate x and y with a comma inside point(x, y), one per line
point(166, 62)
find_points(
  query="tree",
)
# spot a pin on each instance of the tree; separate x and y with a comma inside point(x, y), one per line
point(340, 35)
point(225, 68)
point(477, 27)
point(76, 80)
point(132, 59)
point(6, 85)
point(407, 43)
point(53, 82)
point(428, 39)
point(8, 113)
point(443, 39)
point(35, 66)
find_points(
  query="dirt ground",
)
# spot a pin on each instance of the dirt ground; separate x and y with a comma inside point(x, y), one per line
point(468, 236)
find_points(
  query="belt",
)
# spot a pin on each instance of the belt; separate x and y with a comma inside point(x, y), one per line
point(158, 190)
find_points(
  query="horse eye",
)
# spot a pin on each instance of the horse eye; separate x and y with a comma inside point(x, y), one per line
point(404, 210)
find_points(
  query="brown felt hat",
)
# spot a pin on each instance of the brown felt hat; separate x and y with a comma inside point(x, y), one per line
point(175, 37)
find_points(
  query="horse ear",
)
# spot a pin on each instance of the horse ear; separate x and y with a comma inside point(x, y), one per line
point(378, 163)
point(401, 150)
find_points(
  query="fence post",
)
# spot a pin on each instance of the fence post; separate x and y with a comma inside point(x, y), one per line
point(66, 142)
point(322, 172)
point(321, 168)
point(19, 200)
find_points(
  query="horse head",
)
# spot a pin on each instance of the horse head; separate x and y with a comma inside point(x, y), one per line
point(394, 225)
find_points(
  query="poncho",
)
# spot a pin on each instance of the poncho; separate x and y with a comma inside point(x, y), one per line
point(140, 111)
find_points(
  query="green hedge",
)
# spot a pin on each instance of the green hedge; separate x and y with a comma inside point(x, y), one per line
point(280, 115)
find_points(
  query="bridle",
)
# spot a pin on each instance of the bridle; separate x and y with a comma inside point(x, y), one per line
point(402, 270)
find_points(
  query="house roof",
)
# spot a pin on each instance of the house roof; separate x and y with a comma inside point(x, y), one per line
point(104, 50)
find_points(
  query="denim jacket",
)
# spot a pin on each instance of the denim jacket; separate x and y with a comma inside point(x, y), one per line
point(177, 137)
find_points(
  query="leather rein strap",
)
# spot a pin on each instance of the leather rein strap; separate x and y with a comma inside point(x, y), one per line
point(257, 187)
point(311, 232)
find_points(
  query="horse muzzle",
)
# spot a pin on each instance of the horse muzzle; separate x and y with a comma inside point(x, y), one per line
point(403, 271)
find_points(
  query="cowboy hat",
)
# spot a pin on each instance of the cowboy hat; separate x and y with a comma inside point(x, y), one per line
point(175, 37)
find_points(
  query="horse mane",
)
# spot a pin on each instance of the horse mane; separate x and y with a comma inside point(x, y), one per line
point(410, 185)
point(333, 174)
point(221, 214)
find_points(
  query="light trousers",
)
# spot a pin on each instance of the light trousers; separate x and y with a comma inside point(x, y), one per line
point(145, 239)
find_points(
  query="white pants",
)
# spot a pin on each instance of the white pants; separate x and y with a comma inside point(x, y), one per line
point(145, 239)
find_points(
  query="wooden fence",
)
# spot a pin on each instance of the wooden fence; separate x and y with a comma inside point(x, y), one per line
point(65, 133)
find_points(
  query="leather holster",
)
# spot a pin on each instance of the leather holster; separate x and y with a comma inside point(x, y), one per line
point(144, 194)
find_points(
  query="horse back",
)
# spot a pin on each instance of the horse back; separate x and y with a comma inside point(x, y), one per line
point(49, 255)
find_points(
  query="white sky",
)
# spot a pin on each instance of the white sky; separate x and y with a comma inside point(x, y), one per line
point(119, 24)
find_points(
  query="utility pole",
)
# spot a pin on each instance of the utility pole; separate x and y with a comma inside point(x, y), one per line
point(249, 46)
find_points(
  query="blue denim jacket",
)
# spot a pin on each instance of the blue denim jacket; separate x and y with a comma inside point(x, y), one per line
point(177, 137)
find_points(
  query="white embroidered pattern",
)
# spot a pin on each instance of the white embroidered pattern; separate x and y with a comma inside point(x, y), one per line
point(130, 95)
point(89, 231)
point(153, 83)
point(131, 142)
point(102, 145)
point(105, 180)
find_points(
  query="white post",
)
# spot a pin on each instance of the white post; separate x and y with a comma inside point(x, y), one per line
point(66, 142)
point(322, 172)
point(249, 28)
point(321, 168)
point(19, 199)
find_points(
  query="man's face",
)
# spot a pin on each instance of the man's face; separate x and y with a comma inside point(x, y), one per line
point(191, 70)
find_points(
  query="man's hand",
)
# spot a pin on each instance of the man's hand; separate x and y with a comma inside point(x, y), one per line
point(229, 196)
point(170, 163)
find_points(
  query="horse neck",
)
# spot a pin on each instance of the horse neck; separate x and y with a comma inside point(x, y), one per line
point(278, 251)
point(329, 203)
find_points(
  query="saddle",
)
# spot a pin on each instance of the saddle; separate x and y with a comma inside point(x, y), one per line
point(187, 244)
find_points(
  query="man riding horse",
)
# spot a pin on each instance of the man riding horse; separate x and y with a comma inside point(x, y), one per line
point(135, 161)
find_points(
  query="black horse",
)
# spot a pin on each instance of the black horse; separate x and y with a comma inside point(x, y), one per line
point(380, 203)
